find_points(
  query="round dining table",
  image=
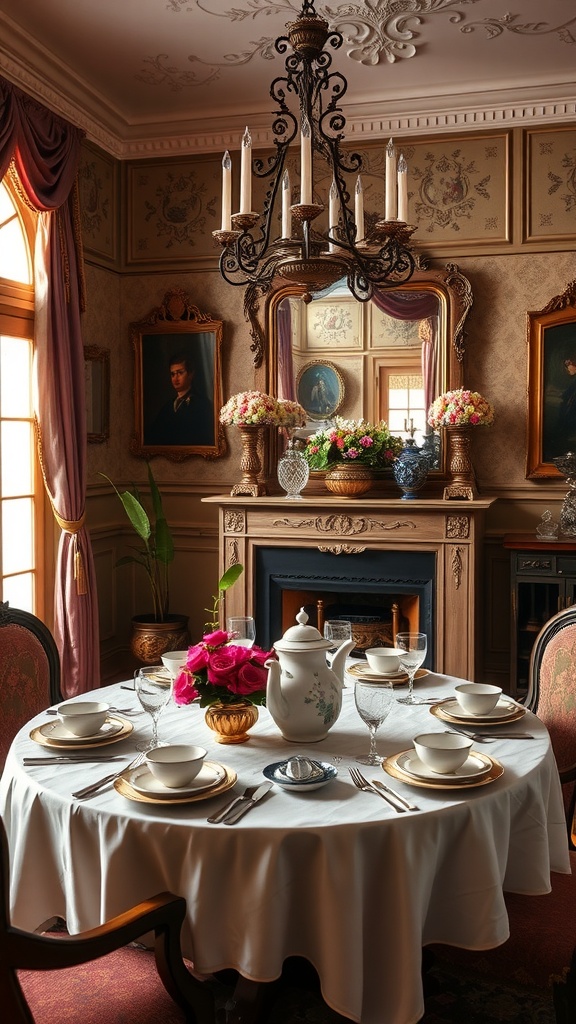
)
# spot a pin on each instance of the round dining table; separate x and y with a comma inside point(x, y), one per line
point(335, 875)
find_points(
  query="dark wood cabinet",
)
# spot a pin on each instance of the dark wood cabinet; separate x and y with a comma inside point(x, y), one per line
point(543, 581)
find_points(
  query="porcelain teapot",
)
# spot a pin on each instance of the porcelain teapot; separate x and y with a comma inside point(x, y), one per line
point(304, 693)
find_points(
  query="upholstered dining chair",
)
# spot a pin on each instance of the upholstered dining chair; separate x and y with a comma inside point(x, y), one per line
point(96, 976)
point(29, 671)
point(541, 950)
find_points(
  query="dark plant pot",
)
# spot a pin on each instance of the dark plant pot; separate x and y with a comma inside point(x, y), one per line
point(151, 639)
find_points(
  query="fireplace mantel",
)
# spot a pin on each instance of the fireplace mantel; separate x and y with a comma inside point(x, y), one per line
point(452, 530)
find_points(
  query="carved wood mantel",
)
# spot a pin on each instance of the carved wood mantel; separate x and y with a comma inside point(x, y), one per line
point(452, 530)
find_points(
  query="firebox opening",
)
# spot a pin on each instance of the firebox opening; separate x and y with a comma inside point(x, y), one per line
point(375, 618)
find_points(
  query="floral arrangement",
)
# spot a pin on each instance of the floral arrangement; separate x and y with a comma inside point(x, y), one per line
point(460, 408)
point(366, 444)
point(255, 407)
point(218, 670)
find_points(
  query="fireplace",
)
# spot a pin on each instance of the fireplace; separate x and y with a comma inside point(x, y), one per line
point(362, 586)
point(425, 556)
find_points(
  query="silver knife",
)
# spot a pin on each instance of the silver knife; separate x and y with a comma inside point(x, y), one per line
point(246, 804)
point(219, 816)
point(395, 796)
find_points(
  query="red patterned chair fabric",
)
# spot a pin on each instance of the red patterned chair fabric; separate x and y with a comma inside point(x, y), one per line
point(553, 695)
point(29, 672)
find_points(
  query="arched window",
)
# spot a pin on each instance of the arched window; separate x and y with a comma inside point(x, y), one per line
point(21, 490)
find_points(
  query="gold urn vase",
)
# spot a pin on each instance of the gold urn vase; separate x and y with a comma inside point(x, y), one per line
point(151, 639)
point(231, 722)
point(349, 481)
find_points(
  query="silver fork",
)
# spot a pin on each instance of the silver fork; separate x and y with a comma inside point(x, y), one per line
point(94, 787)
point(361, 783)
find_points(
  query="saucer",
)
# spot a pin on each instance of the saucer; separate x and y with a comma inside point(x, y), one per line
point(53, 734)
point(123, 786)
point(506, 711)
point(360, 670)
point(273, 774)
point(474, 767)
point(392, 766)
point(143, 781)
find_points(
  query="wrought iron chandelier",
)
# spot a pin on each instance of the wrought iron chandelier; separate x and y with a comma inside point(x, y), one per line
point(313, 260)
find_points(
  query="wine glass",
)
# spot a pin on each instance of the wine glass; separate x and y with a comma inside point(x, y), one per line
point(241, 630)
point(153, 688)
point(411, 653)
point(374, 703)
point(337, 631)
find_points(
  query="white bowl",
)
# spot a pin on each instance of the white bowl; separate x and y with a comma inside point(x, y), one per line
point(83, 717)
point(442, 752)
point(175, 765)
point(478, 698)
point(174, 661)
point(383, 659)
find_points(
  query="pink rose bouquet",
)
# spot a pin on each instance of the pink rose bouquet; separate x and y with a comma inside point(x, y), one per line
point(255, 407)
point(460, 408)
point(218, 670)
point(347, 441)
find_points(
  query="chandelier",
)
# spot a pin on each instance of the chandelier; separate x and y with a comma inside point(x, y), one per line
point(310, 259)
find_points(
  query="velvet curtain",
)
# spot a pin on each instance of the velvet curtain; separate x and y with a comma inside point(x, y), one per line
point(421, 306)
point(45, 150)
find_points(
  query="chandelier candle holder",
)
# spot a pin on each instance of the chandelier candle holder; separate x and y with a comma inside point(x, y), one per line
point(250, 255)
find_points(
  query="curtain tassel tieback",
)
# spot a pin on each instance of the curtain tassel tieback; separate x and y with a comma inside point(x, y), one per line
point(73, 527)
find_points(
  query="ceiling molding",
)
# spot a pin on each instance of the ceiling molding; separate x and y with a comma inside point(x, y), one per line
point(33, 68)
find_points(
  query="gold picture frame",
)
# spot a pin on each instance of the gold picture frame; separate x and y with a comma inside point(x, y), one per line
point(177, 382)
point(320, 389)
point(551, 384)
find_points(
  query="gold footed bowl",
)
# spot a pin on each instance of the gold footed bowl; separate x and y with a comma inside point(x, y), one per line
point(231, 722)
point(349, 481)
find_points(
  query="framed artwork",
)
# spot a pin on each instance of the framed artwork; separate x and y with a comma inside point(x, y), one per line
point(98, 184)
point(177, 381)
point(551, 384)
point(97, 391)
point(551, 184)
point(320, 389)
point(334, 323)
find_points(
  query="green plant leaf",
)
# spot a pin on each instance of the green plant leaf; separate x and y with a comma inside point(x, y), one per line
point(164, 542)
point(230, 577)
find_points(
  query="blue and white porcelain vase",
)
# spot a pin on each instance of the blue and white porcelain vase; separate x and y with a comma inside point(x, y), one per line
point(411, 469)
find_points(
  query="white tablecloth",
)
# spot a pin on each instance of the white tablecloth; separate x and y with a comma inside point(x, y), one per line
point(335, 875)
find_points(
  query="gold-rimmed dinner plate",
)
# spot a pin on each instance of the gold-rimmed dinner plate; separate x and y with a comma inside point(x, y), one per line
point(362, 671)
point(393, 766)
point(475, 766)
point(506, 711)
point(52, 734)
point(124, 788)
point(143, 781)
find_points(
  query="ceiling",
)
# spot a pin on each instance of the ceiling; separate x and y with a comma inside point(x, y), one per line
point(146, 77)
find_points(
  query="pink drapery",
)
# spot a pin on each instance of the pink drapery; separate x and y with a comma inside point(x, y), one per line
point(45, 150)
point(421, 306)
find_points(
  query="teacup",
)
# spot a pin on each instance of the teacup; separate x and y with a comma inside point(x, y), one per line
point(83, 718)
point(175, 765)
point(442, 752)
point(174, 661)
point(383, 659)
point(477, 698)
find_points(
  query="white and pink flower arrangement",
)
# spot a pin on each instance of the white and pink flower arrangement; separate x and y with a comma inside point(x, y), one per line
point(460, 408)
point(218, 670)
point(352, 441)
point(259, 409)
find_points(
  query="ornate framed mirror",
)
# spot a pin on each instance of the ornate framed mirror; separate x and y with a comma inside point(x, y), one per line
point(394, 354)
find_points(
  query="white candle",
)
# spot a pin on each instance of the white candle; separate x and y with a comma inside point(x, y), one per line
point(333, 214)
point(226, 192)
point(390, 181)
point(359, 209)
point(305, 162)
point(402, 189)
point(246, 173)
point(286, 202)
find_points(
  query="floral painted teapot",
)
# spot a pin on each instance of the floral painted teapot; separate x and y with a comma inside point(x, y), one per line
point(303, 693)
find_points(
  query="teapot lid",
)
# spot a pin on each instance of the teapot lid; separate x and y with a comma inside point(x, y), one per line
point(302, 637)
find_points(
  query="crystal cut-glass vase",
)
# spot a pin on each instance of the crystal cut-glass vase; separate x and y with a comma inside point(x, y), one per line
point(293, 472)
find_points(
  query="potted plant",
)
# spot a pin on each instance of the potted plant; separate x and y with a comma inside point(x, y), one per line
point(158, 631)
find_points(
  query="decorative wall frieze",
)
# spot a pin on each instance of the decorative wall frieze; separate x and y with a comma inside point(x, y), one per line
point(343, 524)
